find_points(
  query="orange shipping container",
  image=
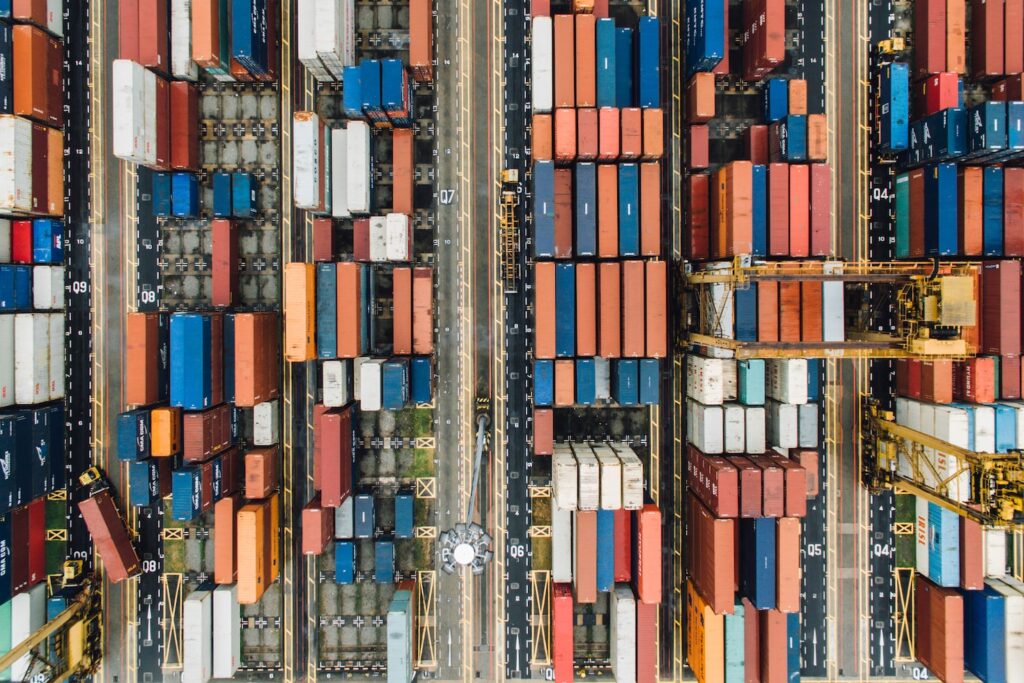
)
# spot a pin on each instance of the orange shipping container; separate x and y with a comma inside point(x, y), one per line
point(586, 134)
point(256, 358)
point(544, 309)
point(609, 338)
point(423, 310)
point(299, 312)
point(608, 133)
point(421, 40)
point(648, 554)
point(773, 632)
point(206, 33)
point(650, 208)
point(565, 135)
point(654, 133)
point(349, 279)
point(563, 213)
point(789, 311)
point(956, 46)
point(700, 98)
point(565, 81)
point(810, 311)
point(274, 535)
point(252, 551)
point(402, 167)
point(541, 141)
point(31, 52)
point(54, 172)
point(317, 527)
point(144, 362)
point(565, 382)
point(799, 210)
point(738, 208)
point(401, 322)
point(225, 569)
point(767, 311)
point(586, 313)
point(586, 48)
point(817, 137)
point(797, 97)
point(970, 223)
point(607, 210)
point(632, 144)
point(585, 576)
point(632, 309)
point(787, 594)
point(165, 432)
point(657, 314)
point(705, 638)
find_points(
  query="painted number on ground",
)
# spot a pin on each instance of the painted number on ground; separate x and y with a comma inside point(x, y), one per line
point(447, 196)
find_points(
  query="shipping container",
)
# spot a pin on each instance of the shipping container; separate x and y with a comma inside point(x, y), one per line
point(562, 621)
point(541, 63)
point(712, 564)
point(197, 635)
point(705, 635)
point(623, 633)
point(421, 37)
point(705, 35)
point(939, 630)
point(109, 536)
point(647, 558)
point(344, 562)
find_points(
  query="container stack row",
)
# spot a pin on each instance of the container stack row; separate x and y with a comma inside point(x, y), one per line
point(363, 549)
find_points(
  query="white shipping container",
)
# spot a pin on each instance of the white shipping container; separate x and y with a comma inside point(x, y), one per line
point(128, 112)
point(735, 428)
point(227, 620)
point(370, 380)
point(6, 360)
point(951, 424)
point(330, 37)
point(56, 365)
point(807, 416)
point(55, 17)
point(602, 379)
point(984, 429)
point(28, 615)
point(307, 170)
point(782, 424)
point(833, 306)
point(922, 534)
point(197, 637)
point(306, 43)
point(5, 240)
point(704, 379)
point(730, 380)
point(787, 380)
point(589, 478)
point(16, 166)
point(704, 427)
point(542, 82)
point(344, 519)
point(757, 436)
point(623, 634)
point(339, 173)
point(182, 66)
point(398, 229)
point(31, 358)
point(266, 423)
point(149, 120)
point(378, 239)
point(611, 477)
point(561, 545)
point(47, 287)
point(724, 309)
point(335, 383)
point(357, 157)
point(632, 477)
point(564, 478)
point(357, 376)
point(1013, 643)
point(994, 547)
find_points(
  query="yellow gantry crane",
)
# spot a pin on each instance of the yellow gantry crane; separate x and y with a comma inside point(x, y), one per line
point(509, 229)
point(933, 302)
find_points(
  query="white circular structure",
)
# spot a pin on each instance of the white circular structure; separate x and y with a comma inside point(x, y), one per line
point(464, 553)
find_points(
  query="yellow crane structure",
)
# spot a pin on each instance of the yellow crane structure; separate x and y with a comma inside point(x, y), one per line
point(933, 302)
point(509, 229)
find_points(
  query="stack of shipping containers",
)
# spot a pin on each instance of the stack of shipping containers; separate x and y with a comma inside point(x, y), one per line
point(32, 305)
point(362, 310)
point(951, 120)
point(600, 284)
point(753, 426)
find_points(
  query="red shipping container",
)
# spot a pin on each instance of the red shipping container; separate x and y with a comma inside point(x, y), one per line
point(787, 562)
point(319, 409)
point(970, 206)
point(623, 545)
point(563, 213)
point(587, 142)
point(821, 209)
point(586, 48)
point(224, 269)
point(810, 311)
point(648, 554)
point(225, 568)
point(700, 98)
point(940, 624)
point(565, 383)
point(650, 208)
point(403, 168)
point(256, 358)
point(795, 478)
point(799, 211)
point(361, 239)
point(789, 312)
point(542, 137)
point(184, 126)
point(565, 80)
point(917, 210)
point(349, 297)
point(956, 44)
point(336, 452)
point(766, 42)
point(778, 209)
point(633, 308)
point(773, 649)
point(323, 239)
point(40, 168)
point(401, 337)
point(751, 643)
point(809, 461)
point(631, 145)
point(929, 37)
point(101, 517)
point(750, 477)
point(206, 433)
point(423, 310)
point(21, 241)
point(127, 29)
point(609, 329)
point(586, 309)
point(544, 309)
point(767, 311)
point(1009, 377)
point(797, 92)
point(714, 480)
point(773, 486)
point(712, 567)
point(154, 35)
point(561, 631)
point(601, 9)
point(540, 8)
point(938, 92)
point(543, 431)
point(317, 527)
point(698, 245)
point(937, 381)
point(261, 468)
point(974, 380)
point(36, 514)
point(653, 134)
point(1000, 307)
point(1010, 89)
point(646, 643)
point(972, 571)
point(585, 561)
point(565, 135)
point(987, 38)
point(698, 153)
point(756, 142)
point(1013, 211)
point(656, 317)
point(608, 133)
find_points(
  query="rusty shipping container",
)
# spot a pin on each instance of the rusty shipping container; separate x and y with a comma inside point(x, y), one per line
point(323, 239)
point(564, 57)
point(1013, 40)
point(184, 115)
point(767, 311)
point(542, 137)
point(146, 365)
point(956, 47)
point(261, 472)
point(154, 35)
point(565, 136)
point(563, 212)
point(810, 311)
point(544, 310)
point(543, 431)
point(773, 647)
point(421, 40)
point(609, 330)
point(350, 314)
point(585, 556)
point(336, 454)
point(401, 318)
point(607, 210)
point(654, 134)
point(587, 134)
point(650, 208)
point(712, 562)
point(110, 536)
point(700, 98)
point(799, 210)
point(648, 554)
point(317, 527)
point(1001, 307)
point(586, 309)
point(698, 229)
point(608, 124)
point(940, 630)
point(929, 37)
point(778, 209)
point(821, 209)
point(631, 145)
point(633, 309)
point(423, 310)
point(224, 266)
point(586, 49)
point(256, 358)
point(773, 486)
point(749, 476)
point(795, 482)
point(206, 433)
point(817, 137)
point(698, 146)
point(565, 383)
point(987, 35)
point(972, 555)
point(788, 566)
point(714, 480)
point(656, 316)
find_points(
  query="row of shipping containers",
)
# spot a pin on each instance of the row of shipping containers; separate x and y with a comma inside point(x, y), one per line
point(583, 382)
point(592, 134)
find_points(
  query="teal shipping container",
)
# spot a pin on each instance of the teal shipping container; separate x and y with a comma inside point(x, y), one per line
point(750, 380)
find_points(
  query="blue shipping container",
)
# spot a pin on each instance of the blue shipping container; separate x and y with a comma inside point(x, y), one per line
point(985, 634)
point(56, 458)
point(395, 92)
point(15, 438)
point(369, 88)
point(162, 194)
point(543, 382)
point(775, 99)
point(607, 94)
point(229, 358)
point(222, 204)
point(5, 13)
point(396, 384)
point(565, 310)
point(363, 516)
point(794, 137)
point(133, 435)
point(5, 563)
point(750, 378)
point(47, 241)
point(40, 433)
point(144, 477)
point(943, 546)
point(894, 109)
point(249, 35)
point(793, 647)
point(22, 474)
point(15, 287)
point(191, 371)
point(186, 493)
point(352, 92)
point(544, 209)
point(760, 200)
point(938, 137)
point(585, 214)
point(1006, 427)
point(626, 381)
point(605, 550)
point(419, 380)
point(6, 70)
point(243, 195)
point(648, 62)
point(757, 561)
point(629, 210)
point(986, 127)
point(586, 381)
point(992, 211)
point(1014, 126)
point(705, 35)
point(403, 515)
point(745, 306)
point(184, 195)
point(650, 381)
point(813, 379)
point(367, 294)
point(624, 67)
point(326, 310)
point(735, 646)
point(940, 210)
point(344, 562)
point(384, 561)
